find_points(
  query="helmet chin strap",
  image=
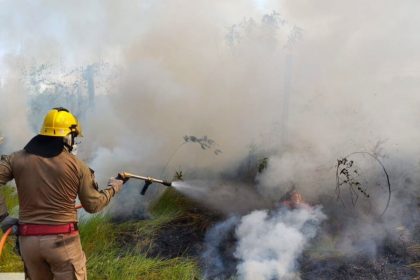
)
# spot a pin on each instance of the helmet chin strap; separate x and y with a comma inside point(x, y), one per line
point(69, 141)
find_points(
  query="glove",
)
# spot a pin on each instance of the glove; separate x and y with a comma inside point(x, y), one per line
point(121, 177)
point(115, 184)
point(8, 222)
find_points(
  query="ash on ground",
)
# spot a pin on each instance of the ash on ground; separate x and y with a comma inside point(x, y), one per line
point(181, 236)
point(393, 261)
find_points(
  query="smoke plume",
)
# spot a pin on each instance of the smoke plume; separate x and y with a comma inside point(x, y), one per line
point(216, 253)
point(270, 243)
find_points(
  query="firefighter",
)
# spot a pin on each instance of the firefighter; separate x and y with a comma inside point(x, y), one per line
point(48, 180)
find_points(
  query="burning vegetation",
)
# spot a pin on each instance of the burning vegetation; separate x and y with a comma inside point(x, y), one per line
point(286, 239)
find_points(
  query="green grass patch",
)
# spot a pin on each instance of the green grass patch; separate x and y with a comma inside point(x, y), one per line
point(9, 260)
point(114, 250)
point(10, 195)
point(170, 204)
point(113, 265)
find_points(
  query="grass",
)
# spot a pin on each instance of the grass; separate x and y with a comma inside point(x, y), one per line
point(107, 257)
point(9, 260)
point(112, 265)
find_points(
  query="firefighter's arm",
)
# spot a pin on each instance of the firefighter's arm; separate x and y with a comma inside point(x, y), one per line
point(6, 175)
point(94, 200)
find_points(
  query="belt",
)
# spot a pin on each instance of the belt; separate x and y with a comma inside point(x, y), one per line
point(35, 229)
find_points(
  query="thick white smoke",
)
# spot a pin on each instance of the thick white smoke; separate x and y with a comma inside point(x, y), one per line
point(14, 125)
point(228, 70)
point(269, 243)
point(216, 266)
point(260, 245)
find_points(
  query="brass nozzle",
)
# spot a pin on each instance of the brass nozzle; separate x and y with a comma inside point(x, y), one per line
point(166, 183)
point(127, 175)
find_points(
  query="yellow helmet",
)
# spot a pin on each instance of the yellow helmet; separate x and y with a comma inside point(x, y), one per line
point(59, 122)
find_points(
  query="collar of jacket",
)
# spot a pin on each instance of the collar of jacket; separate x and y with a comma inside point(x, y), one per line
point(45, 146)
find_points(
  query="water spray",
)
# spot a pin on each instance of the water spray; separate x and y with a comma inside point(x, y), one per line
point(147, 180)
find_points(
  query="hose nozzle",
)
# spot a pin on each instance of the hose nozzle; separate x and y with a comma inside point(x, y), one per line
point(147, 180)
point(166, 183)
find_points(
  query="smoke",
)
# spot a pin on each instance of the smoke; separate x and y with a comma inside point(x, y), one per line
point(226, 72)
point(268, 245)
point(261, 245)
point(217, 264)
point(302, 83)
point(13, 121)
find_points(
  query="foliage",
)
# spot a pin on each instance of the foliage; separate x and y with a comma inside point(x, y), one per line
point(204, 142)
point(262, 164)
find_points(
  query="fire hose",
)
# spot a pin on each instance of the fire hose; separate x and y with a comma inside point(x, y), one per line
point(4, 238)
point(124, 176)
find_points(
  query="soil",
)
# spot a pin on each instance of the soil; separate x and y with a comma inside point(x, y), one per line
point(392, 262)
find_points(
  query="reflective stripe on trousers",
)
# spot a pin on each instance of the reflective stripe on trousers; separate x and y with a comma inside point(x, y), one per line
point(58, 257)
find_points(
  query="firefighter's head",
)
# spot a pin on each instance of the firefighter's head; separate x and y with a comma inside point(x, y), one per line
point(59, 122)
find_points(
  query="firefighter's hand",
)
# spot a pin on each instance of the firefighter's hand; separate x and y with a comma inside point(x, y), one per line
point(121, 177)
point(115, 184)
point(8, 222)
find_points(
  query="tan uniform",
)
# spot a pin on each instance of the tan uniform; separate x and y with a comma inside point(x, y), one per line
point(47, 190)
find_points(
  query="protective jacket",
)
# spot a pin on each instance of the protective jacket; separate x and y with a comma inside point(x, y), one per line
point(48, 187)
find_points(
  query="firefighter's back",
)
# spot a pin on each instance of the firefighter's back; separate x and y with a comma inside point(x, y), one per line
point(47, 187)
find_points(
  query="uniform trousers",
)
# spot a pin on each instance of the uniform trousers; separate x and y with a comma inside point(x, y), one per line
point(58, 257)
